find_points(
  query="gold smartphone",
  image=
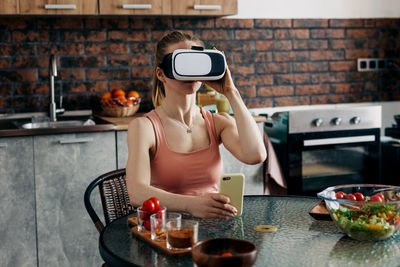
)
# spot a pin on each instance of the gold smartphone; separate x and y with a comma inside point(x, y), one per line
point(232, 185)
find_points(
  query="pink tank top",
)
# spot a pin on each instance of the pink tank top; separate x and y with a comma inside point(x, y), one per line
point(192, 173)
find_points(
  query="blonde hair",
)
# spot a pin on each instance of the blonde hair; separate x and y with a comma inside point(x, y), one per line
point(174, 37)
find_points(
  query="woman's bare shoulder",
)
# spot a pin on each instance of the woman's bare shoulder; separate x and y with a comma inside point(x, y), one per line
point(140, 125)
point(222, 118)
point(222, 121)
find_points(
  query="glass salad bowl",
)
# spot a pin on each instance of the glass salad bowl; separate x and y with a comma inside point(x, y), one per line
point(364, 211)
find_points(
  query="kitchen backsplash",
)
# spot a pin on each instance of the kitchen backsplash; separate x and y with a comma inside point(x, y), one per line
point(274, 62)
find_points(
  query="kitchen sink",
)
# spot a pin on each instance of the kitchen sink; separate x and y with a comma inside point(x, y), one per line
point(40, 122)
point(56, 124)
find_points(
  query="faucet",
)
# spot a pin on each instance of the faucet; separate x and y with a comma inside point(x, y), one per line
point(53, 73)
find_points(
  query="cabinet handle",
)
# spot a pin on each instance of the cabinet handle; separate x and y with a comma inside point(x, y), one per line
point(136, 6)
point(59, 6)
point(207, 7)
point(3, 145)
point(339, 140)
point(76, 140)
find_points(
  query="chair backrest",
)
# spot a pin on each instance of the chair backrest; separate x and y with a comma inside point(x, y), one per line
point(114, 197)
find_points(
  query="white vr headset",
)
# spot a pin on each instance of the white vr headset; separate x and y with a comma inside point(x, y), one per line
point(196, 64)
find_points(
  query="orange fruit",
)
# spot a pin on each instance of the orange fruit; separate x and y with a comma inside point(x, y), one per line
point(106, 95)
point(118, 93)
point(134, 94)
point(121, 101)
point(129, 102)
point(105, 98)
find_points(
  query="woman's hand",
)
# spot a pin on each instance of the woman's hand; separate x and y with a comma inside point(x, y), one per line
point(223, 85)
point(212, 205)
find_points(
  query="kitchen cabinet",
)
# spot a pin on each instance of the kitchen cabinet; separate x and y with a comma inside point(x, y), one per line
point(168, 7)
point(65, 164)
point(204, 7)
point(17, 198)
point(134, 7)
point(122, 149)
point(120, 7)
point(9, 7)
point(58, 7)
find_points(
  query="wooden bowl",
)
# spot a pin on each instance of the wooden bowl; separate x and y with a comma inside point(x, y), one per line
point(224, 252)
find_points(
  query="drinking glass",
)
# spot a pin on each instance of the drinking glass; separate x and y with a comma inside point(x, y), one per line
point(158, 222)
point(182, 236)
point(144, 218)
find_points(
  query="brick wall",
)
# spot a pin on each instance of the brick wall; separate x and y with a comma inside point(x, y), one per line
point(274, 62)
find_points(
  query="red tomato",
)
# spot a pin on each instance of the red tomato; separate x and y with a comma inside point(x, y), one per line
point(381, 196)
point(144, 216)
point(359, 196)
point(226, 254)
point(158, 209)
point(376, 198)
point(147, 224)
point(148, 206)
point(396, 221)
point(340, 195)
point(351, 197)
point(156, 202)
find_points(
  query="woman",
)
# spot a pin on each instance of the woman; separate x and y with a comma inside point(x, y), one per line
point(173, 150)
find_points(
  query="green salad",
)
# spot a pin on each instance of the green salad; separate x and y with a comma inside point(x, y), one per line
point(369, 222)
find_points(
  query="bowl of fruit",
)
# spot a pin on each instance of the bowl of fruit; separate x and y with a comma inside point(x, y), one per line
point(118, 104)
point(364, 211)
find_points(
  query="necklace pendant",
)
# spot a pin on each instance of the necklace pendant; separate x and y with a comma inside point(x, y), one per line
point(188, 130)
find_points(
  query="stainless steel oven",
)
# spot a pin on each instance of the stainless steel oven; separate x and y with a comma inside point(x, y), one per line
point(318, 148)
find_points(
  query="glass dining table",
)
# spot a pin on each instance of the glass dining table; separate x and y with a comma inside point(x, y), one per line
point(300, 240)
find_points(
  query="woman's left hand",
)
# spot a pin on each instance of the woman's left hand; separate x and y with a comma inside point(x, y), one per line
point(223, 85)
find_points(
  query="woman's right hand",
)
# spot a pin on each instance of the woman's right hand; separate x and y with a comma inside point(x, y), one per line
point(212, 205)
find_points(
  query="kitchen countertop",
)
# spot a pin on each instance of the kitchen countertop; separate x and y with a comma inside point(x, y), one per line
point(9, 124)
point(75, 129)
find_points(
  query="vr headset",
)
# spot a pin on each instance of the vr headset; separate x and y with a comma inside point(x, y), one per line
point(196, 64)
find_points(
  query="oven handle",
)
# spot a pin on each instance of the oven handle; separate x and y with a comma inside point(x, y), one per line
point(339, 140)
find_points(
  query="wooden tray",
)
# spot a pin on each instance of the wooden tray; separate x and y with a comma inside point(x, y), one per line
point(160, 245)
point(320, 212)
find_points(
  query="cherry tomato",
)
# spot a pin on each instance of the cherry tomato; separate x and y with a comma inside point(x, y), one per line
point(381, 196)
point(226, 254)
point(157, 209)
point(351, 197)
point(147, 224)
point(376, 198)
point(148, 206)
point(359, 196)
point(144, 216)
point(340, 195)
point(396, 221)
point(156, 202)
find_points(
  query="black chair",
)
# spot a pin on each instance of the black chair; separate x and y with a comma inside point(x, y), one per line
point(114, 197)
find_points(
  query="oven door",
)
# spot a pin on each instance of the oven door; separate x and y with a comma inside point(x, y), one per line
point(319, 160)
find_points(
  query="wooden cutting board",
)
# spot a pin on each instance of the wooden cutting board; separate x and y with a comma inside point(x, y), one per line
point(319, 212)
point(160, 245)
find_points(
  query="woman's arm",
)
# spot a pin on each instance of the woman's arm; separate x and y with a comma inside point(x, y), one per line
point(141, 145)
point(240, 134)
